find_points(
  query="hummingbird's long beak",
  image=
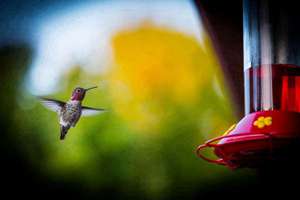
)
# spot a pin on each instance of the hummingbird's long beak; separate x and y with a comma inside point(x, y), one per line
point(90, 88)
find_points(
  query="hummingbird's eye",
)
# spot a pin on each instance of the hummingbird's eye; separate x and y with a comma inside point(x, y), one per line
point(78, 90)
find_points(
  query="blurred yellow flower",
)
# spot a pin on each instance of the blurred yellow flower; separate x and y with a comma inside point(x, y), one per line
point(154, 68)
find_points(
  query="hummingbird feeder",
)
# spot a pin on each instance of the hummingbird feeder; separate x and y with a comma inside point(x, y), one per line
point(270, 129)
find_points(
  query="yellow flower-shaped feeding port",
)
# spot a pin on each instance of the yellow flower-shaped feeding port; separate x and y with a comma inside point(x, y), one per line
point(261, 122)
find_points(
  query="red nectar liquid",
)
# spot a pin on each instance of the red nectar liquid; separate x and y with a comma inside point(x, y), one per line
point(272, 87)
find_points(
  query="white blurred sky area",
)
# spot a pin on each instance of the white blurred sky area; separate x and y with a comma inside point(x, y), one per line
point(82, 35)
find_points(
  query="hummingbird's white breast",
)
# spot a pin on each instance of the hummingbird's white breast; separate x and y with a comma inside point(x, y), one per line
point(70, 114)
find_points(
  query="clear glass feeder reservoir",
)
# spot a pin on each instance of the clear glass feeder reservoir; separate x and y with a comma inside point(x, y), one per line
point(270, 129)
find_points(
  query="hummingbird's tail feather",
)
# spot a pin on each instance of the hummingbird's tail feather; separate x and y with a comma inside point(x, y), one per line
point(63, 131)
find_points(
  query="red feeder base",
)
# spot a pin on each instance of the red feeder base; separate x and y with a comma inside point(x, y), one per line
point(259, 138)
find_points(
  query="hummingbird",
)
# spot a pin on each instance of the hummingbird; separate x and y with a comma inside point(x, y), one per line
point(70, 112)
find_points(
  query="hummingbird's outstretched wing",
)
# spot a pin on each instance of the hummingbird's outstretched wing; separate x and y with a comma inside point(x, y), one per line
point(52, 104)
point(88, 111)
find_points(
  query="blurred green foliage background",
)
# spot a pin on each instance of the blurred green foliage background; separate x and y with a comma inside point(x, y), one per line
point(165, 95)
